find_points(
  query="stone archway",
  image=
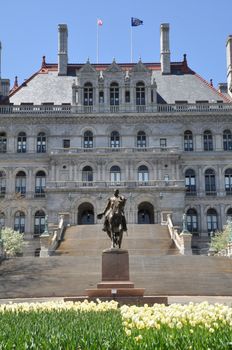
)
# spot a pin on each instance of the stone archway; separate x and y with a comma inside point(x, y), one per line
point(85, 214)
point(145, 213)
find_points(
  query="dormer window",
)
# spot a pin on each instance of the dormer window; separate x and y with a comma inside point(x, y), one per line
point(114, 94)
point(88, 94)
point(140, 94)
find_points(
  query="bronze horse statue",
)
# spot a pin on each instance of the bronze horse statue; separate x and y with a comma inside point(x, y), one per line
point(115, 222)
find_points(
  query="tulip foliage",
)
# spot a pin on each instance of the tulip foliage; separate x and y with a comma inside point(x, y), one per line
point(105, 326)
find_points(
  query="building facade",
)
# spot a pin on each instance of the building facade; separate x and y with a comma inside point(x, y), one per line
point(159, 132)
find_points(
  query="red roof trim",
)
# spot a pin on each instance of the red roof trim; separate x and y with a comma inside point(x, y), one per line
point(227, 99)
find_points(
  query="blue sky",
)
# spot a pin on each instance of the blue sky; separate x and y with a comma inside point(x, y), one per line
point(28, 30)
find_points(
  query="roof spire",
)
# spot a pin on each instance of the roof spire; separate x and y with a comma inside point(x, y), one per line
point(16, 85)
point(43, 65)
point(184, 64)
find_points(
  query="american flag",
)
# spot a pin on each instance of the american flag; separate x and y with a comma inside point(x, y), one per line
point(136, 22)
point(99, 22)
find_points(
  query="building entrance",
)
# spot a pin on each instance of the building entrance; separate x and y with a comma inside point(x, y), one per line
point(145, 213)
point(85, 214)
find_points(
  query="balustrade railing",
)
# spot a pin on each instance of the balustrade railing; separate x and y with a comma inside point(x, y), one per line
point(110, 184)
point(72, 150)
point(152, 108)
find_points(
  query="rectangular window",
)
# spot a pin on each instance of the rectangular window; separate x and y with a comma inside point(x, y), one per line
point(66, 143)
point(127, 96)
point(163, 143)
point(101, 97)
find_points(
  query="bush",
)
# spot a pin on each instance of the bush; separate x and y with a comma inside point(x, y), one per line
point(12, 241)
point(221, 239)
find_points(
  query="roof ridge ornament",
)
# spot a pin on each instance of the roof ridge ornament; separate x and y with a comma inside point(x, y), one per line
point(43, 65)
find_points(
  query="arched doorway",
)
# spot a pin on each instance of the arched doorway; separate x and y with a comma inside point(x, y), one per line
point(145, 213)
point(85, 214)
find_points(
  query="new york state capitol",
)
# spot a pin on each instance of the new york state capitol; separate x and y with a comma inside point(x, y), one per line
point(159, 132)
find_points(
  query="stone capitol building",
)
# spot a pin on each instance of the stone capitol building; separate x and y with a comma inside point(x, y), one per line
point(72, 133)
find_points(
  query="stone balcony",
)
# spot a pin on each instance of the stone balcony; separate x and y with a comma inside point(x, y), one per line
point(102, 109)
point(72, 185)
point(103, 150)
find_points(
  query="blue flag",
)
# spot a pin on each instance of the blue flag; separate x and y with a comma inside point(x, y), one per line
point(136, 22)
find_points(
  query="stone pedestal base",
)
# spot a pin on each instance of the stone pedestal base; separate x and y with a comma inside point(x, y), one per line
point(115, 276)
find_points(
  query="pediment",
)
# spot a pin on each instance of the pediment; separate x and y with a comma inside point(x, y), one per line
point(140, 68)
point(114, 68)
point(87, 68)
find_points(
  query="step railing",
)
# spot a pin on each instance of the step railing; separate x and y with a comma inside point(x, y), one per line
point(50, 242)
point(174, 234)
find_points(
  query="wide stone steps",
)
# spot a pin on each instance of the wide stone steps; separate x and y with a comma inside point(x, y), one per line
point(140, 240)
point(154, 265)
point(159, 275)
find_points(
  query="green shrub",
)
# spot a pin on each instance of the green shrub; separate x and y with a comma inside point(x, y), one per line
point(221, 239)
point(12, 241)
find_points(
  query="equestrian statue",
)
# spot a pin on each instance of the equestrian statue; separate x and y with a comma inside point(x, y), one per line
point(115, 221)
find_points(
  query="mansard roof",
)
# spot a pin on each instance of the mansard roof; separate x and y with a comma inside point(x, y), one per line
point(182, 84)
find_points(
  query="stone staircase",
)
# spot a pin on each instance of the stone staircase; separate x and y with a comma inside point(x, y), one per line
point(141, 240)
point(154, 265)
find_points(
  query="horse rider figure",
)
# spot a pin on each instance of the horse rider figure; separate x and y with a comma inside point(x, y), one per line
point(115, 201)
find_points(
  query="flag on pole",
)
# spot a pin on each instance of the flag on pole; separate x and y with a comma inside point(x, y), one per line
point(136, 22)
point(99, 22)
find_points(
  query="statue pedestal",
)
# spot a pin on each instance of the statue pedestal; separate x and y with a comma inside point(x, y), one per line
point(115, 265)
point(115, 276)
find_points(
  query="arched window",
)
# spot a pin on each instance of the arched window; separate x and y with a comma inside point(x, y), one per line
point(227, 140)
point(190, 182)
point(192, 224)
point(114, 94)
point(115, 175)
point(22, 142)
point(140, 94)
point(2, 184)
point(210, 183)
point(228, 181)
point(41, 143)
point(212, 220)
point(188, 141)
point(3, 142)
point(2, 220)
point(39, 223)
point(88, 94)
point(40, 184)
point(88, 139)
point(229, 214)
point(20, 186)
point(208, 141)
point(115, 139)
point(143, 175)
point(87, 176)
point(141, 139)
point(19, 222)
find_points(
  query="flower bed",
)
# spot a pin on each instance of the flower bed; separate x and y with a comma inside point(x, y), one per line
point(101, 326)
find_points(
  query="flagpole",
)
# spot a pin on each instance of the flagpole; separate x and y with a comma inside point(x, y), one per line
point(97, 42)
point(131, 45)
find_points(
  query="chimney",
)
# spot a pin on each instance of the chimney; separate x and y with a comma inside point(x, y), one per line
point(62, 49)
point(229, 63)
point(164, 49)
